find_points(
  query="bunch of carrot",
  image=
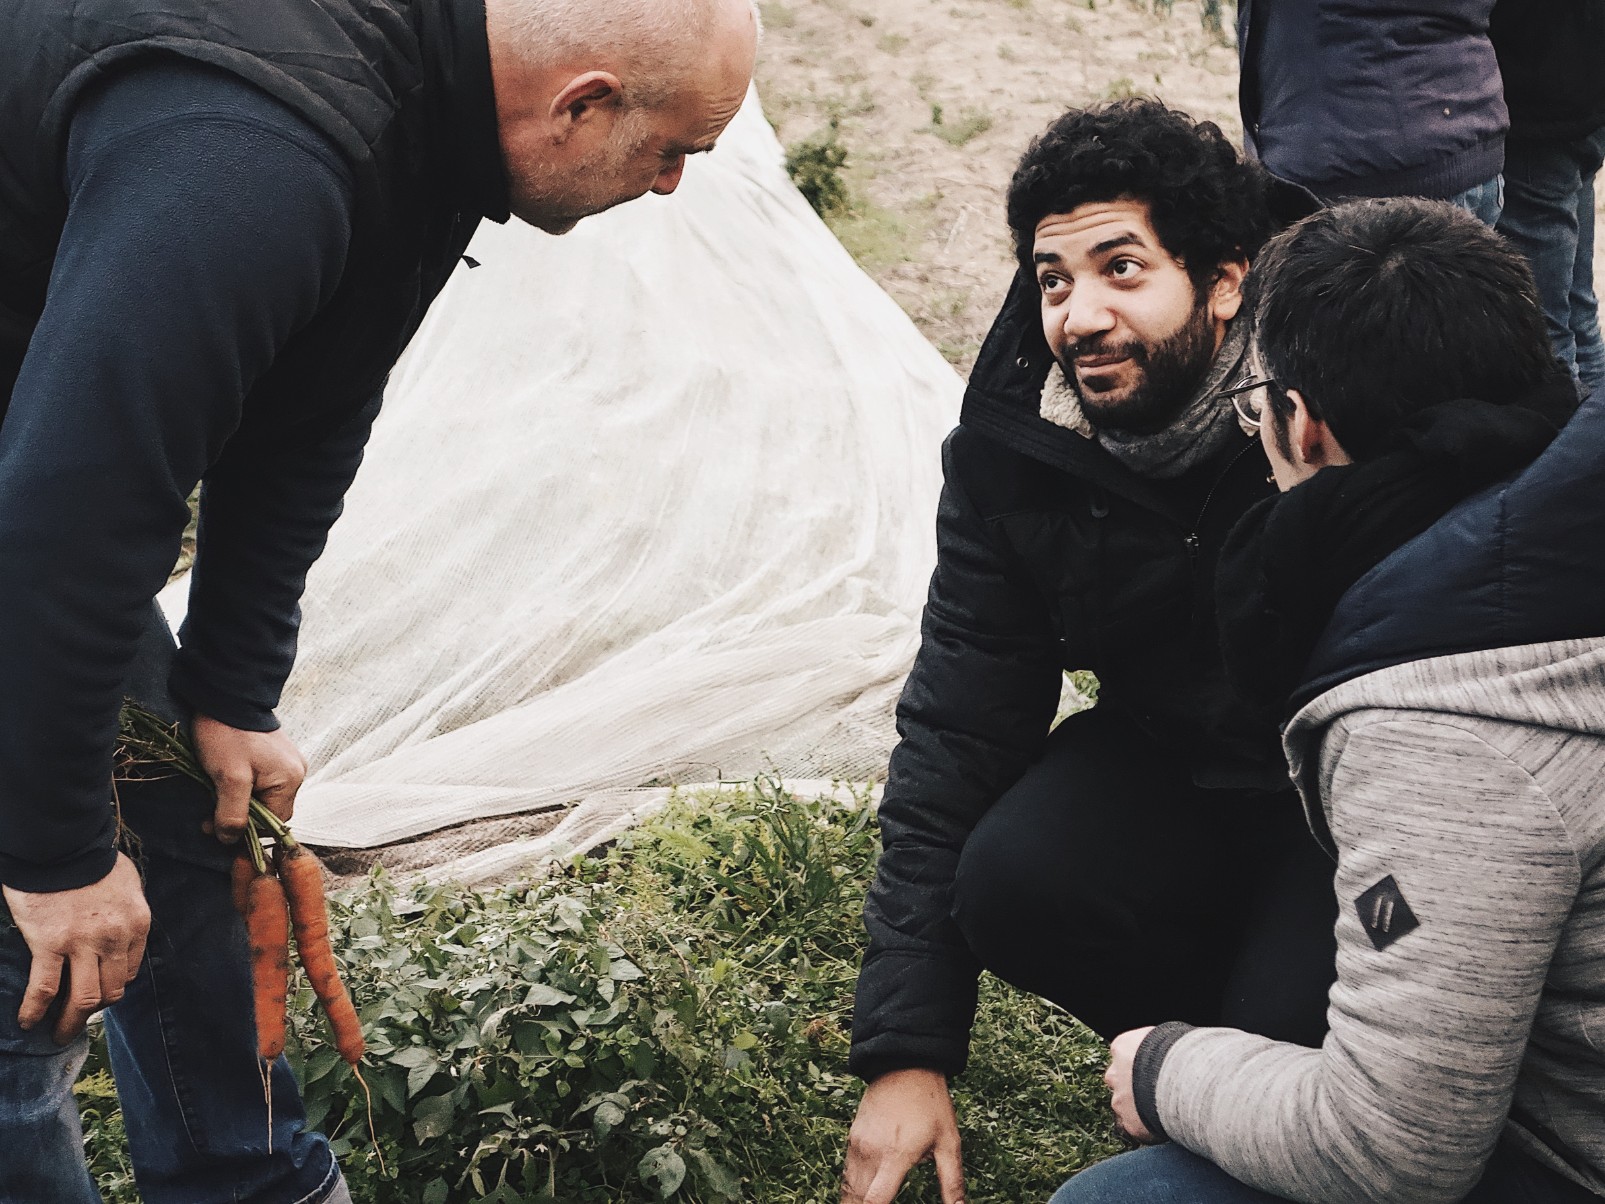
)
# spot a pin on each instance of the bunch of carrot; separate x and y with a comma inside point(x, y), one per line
point(274, 896)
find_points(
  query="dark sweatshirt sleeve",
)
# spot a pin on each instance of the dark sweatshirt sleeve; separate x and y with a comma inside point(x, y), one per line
point(205, 224)
point(973, 715)
point(266, 509)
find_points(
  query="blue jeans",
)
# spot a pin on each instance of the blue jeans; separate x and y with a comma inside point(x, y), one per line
point(1485, 201)
point(1549, 217)
point(182, 1041)
point(1168, 1174)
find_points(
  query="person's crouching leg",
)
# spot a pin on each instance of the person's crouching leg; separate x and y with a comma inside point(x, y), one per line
point(1160, 1174)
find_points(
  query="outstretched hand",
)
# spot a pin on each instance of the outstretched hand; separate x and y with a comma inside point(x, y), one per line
point(241, 764)
point(906, 1116)
point(87, 942)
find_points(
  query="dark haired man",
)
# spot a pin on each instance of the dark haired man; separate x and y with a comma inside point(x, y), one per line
point(1126, 864)
point(1426, 601)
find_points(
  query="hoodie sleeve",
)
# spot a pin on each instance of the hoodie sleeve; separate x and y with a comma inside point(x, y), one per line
point(205, 224)
point(1455, 877)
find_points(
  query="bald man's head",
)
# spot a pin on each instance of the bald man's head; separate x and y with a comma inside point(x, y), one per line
point(600, 101)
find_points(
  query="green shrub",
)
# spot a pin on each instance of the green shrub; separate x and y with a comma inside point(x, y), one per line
point(815, 166)
point(668, 1022)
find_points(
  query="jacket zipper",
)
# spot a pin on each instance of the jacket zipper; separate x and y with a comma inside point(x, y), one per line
point(1192, 536)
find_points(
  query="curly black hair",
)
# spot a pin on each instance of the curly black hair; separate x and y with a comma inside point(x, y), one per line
point(1208, 204)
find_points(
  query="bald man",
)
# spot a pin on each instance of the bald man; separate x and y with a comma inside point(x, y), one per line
point(220, 223)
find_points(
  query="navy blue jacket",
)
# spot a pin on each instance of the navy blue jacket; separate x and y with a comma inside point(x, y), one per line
point(1361, 98)
point(200, 281)
point(1051, 555)
point(1519, 563)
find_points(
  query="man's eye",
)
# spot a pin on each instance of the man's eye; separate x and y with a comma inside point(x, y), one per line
point(1124, 269)
point(1050, 282)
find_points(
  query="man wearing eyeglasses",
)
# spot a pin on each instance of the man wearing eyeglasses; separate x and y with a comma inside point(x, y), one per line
point(1147, 859)
point(1425, 605)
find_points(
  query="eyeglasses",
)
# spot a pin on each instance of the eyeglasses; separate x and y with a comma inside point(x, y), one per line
point(1249, 408)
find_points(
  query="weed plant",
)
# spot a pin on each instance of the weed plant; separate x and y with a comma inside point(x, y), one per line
point(815, 166)
point(667, 1022)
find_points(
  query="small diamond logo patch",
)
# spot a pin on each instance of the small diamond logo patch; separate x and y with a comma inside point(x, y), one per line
point(1384, 913)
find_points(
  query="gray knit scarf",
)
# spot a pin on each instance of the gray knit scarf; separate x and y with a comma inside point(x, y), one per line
point(1203, 427)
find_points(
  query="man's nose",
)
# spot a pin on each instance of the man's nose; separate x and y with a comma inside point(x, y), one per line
point(669, 178)
point(1087, 312)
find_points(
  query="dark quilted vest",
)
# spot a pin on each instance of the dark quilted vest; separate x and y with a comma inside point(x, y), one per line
point(355, 69)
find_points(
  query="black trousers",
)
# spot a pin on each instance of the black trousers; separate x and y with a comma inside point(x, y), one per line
point(1107, 882)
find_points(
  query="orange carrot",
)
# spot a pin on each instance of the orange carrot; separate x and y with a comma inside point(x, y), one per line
point(267, 921)
point(241, 871)
point(302, 875)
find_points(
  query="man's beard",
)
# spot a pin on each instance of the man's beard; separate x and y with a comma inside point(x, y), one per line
point(557, 199)
point(1169, 374)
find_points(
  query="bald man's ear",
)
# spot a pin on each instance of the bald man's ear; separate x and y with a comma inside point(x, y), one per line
point(1226, 293)
point(593, 96)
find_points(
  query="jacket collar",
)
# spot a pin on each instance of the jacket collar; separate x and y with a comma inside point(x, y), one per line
point(457, 66)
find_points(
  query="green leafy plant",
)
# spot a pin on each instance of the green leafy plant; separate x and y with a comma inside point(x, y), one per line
point(668, 1022)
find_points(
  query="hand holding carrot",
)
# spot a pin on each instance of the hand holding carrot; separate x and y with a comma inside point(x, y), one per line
point(244, 764)
point(89, 941)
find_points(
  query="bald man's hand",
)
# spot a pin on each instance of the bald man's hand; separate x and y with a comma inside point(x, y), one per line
point(242, 764)
point(86, 946)
point(906, 1116)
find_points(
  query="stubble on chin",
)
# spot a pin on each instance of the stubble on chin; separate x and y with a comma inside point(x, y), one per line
point(1124, 404)
point(1159, 381)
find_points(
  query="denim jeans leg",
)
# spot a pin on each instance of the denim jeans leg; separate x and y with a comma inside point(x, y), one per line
point(1159, 1174)
point(1584, 303)
point(1483, 201)
point(1541, 220)
point(182, 1041)
point(41, 1143)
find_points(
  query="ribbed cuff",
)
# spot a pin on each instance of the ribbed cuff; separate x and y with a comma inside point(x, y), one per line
point(217, 704)
point(85, 869)
point(1145, 1073)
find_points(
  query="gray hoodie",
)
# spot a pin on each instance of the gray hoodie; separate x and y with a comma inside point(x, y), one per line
point(1464, 799)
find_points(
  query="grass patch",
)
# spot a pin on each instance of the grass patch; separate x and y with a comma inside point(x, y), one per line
point(670, 1022)
point(970, 124)
point(959, 352)
point(877, 238)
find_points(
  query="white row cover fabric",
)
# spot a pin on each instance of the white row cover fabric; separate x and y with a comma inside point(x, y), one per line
point(650, 502)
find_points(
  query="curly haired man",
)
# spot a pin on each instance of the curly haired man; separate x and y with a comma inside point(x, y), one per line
point(1145, 859)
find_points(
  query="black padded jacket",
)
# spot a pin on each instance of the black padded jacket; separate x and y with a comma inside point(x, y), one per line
point(1051, 555)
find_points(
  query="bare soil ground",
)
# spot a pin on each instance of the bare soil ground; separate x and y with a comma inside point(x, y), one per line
point(935, 100)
